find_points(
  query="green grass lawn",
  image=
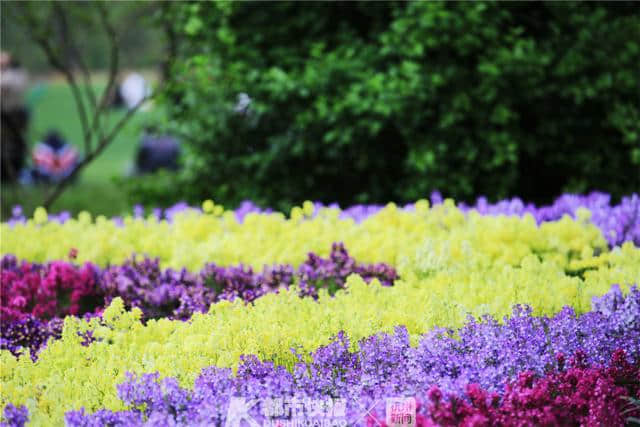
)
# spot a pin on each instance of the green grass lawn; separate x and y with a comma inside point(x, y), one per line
point(53, 108)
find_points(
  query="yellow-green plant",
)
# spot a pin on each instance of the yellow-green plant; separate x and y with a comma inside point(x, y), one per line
point(444, 280)
point(390, 236)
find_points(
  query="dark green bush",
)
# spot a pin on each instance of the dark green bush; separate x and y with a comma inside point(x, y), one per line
point(370, 102)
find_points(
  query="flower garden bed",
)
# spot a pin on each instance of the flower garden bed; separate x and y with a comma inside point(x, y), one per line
point(491, 314)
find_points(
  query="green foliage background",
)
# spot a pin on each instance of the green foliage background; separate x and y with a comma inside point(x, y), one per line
point(136, 23)
point(370, 102)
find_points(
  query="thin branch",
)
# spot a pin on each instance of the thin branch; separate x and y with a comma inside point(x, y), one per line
point(88, 87)
point(77, 54)
point(114, 63)
point(82, 111)
point(118, 126)
point(102, 144)
point(44, 42)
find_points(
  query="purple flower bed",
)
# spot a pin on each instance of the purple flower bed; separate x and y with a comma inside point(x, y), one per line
point(34, 293)
point(178, 294)
point(485, 373)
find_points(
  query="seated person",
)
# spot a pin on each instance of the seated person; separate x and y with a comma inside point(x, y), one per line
point(54, 159)
point(133, 90)
point(129, 92)
point(157, 152)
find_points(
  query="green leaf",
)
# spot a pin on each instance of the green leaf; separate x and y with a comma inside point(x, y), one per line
point(193, 26)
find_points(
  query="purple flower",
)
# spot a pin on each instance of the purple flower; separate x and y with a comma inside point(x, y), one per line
point(480, 359)
point(15, 416)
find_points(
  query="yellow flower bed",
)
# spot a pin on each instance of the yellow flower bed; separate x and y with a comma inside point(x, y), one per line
point(390, 236)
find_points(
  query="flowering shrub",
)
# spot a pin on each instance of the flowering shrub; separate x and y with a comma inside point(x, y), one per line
point(28, 333)
point(487, 354)
point(580, 395)
point(163, 293)
point(483, 351)
point(317, 273)
point(619, 223)
point(179, 294)
point(15, 416)
point(44, 291)
point(217, 314)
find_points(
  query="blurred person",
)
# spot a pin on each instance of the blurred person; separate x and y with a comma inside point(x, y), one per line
point(53, 159)
point(156, 151)
point(15, 116)
point(133, 90)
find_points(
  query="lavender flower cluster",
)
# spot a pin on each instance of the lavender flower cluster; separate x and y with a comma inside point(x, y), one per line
point(331, 273)
point(29, 333)
point(488, 354)
point(177, 294)
point(619, 223)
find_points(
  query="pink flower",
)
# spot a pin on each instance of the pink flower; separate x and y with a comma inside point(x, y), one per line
point(18, 301)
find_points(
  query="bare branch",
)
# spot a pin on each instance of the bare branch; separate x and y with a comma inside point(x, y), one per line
point(77, 54)
point(114, 60)
point(45, 44)
point(102, 144)
point(78, 59)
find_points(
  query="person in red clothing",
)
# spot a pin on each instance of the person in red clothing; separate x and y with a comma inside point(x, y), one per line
point(53, 159)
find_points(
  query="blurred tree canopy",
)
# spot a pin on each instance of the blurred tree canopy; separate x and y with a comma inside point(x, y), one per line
point(68, 35)
point(141, 39)
point(370, 102)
